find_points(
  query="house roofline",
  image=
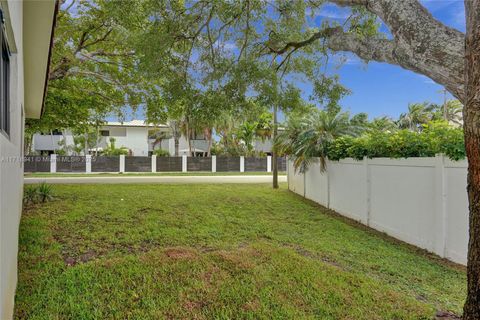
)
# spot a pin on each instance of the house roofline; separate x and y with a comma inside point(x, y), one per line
point(47, 72)
point(133, 125)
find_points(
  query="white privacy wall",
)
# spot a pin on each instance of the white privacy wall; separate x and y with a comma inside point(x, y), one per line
point(422, 201)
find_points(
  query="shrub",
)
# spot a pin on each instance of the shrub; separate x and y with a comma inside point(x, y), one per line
point(45, 192)
point(38, 193)
point(111, 150)
point(30, 195)
point(161, 153)
point(436, 137)
point(339, 148)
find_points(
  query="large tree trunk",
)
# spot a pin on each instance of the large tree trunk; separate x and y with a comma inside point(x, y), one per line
point(472, 144)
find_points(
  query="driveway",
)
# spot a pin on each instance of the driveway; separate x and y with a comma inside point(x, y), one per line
point(155, 179)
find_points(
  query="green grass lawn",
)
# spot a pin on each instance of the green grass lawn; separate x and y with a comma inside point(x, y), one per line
point(200, 173)
point(217, 252)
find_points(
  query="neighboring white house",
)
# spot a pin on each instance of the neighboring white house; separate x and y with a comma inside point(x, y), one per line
point(26, 38)
point(136, 135)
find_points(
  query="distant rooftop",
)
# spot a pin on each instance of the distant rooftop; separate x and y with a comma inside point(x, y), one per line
point(134, 123)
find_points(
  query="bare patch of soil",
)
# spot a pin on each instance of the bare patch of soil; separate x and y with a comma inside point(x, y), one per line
point(180, 253)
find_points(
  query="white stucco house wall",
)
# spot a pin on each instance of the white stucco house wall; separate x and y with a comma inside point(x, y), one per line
point(26, 38)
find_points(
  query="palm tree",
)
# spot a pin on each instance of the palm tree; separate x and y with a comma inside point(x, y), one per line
point(451, 112)
point(264, 128)
point(418, 114)
point(158, 136)
point(383, 124)
point(246, 133)
point(454, 112)
point(307, 138)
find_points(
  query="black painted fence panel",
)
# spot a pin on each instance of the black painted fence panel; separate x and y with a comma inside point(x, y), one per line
point(138, 164)
point(169, 164)
point(228, 164)
point(144, 164)
point(255, 164)
point(71, 164)
point(36, 164)
point(199, 164)
point(282, 164)
point(106, 164)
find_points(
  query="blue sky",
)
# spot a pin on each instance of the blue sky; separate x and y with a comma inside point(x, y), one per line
point(381, 89)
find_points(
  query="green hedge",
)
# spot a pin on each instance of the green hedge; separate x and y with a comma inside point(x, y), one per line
point(435, 138)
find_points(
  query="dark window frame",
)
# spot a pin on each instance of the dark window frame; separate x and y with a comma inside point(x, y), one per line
point(5, 123)
point(102, 133)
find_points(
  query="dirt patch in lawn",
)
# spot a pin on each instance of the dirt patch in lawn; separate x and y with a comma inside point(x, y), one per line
point(180, 253)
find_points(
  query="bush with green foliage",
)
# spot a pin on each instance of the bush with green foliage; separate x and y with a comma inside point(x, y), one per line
point(30, 195)
point(111, 150)
point(33, 194)
point(161, 153)
point(436, 137)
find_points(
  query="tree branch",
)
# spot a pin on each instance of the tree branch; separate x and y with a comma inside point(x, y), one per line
point(325, 33)
point(368, 49)
point(420, 42)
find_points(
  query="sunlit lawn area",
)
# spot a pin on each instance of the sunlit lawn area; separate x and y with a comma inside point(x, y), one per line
point(217, 252)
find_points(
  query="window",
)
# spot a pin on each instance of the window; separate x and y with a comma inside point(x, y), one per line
point(4, 82)
point(104, 133)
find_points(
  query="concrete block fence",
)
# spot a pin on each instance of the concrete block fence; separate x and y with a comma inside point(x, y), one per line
point(422, 201)
point(88, 164)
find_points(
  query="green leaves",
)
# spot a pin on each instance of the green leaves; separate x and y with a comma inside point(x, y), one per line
point(307, 137)
point(39, 193)
point(94, 67)
point(435, 138)
point(333, 135)
point(112, 150)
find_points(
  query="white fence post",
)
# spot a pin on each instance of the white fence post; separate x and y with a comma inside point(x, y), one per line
point(269, 163)
point(88, 163)
point(154, 163)
point(242, 164)
point(214, 163)
point(367, 190)
point(184, 163)
point(440, 220)
point(122, 163)
point(53, 163)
